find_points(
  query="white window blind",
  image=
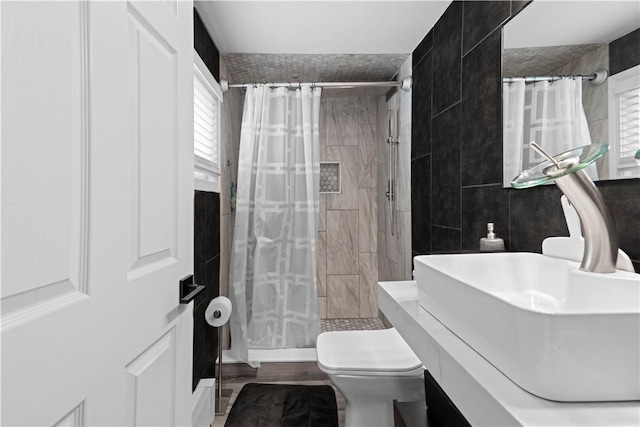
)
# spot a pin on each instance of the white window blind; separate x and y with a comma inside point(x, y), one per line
point(207, 97)
point(624, 116)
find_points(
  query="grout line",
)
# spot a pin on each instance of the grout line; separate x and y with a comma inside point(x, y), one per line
point(481, 185)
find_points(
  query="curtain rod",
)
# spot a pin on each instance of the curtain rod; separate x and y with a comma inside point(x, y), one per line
point(597, 78)
point(405, 84)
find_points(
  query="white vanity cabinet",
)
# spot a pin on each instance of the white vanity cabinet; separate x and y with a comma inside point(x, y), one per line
point(485, 396)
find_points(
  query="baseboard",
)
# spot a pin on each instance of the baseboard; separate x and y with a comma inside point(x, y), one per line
point(276, 355)
point(203, 403)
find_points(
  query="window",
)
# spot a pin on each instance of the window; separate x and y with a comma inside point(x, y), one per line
point(624, 125)
point(207, 97)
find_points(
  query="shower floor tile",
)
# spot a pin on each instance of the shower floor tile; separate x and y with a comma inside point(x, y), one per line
point(366, 324)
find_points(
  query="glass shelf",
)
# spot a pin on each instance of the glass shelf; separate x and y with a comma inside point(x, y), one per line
point(569, 162)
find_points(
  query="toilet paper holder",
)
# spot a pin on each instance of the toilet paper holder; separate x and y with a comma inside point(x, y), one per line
point(188, 289)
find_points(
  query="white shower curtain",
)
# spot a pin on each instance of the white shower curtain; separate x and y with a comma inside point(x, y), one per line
point(549, 113)
point(273, 263)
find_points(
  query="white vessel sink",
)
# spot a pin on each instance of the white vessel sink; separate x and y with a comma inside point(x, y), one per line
point(558, 332)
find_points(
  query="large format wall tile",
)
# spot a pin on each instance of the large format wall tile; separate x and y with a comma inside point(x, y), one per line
point(421, 107)
point(341, 120)
point(367, 137)
point(368, 284)
point(422, 49)
point(349, 158)
point(383, 259)
point(204, 45)
point(343, 296)
point(481, 205)
point(535, 213)
point(403, 183)
point(421, 205)
point(623, 199)
point(447, 53)
point(445, 240)
point(322, 307)
point(445, 172)
point(342, 241)
point(624, 52)
point(480, 18)
point(398, 249)
point(206, 271)
point(406, 270)
point(349, 132)
point(481, 121)
point(367, 220)
point(322, 213)
point(382, 200)
point(321, 263)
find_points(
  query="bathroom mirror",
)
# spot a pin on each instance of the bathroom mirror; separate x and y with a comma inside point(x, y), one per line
point(569, 38)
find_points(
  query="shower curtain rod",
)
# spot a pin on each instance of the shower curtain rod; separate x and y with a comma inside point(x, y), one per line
point(597, 78)
point(405, 84)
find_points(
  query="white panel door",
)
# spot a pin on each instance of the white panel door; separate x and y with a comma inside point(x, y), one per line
point(97, 207)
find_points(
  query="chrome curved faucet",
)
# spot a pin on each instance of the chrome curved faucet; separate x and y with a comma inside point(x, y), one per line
point(599, 228)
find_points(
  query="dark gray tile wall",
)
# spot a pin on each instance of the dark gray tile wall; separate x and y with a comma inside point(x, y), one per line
point(486, 201)
point(421, 205)
point(206, 239)
point(481, 119)
point(423, 48)
point(204, 45)
point(445, 240)
point(481, 18)
point(421, 107)
point(206, 254)
point(445, 168)
point(206, 269)
point(624, 52)
point(447, 59)
point(456, 189)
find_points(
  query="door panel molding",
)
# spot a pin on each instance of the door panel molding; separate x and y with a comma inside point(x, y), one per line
point(39, 278)
point(154, 151)
point(75, 418)
point(151, 383)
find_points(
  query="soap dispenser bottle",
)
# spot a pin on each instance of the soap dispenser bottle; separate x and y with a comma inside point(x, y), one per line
point(491, 242)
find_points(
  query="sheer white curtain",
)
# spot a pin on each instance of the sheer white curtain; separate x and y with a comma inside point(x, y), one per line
point(512, 129)
point(273, 262)
point(549, 113)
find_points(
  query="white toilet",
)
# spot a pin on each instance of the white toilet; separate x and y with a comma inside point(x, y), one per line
point(371, 369)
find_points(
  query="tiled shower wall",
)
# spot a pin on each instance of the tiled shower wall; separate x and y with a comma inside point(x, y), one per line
point(231, 121)
point(347, 249)
point(594, 98)
point(456, 158)
point(394, 249)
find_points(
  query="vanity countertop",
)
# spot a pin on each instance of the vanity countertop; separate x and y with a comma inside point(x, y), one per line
point(484, 395)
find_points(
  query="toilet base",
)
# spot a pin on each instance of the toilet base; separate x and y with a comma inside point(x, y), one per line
point(371, 414)
point(369, 400)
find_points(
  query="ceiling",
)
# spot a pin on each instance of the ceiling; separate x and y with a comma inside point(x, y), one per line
point(546, 35)
point(268, 41)
point(560, 23)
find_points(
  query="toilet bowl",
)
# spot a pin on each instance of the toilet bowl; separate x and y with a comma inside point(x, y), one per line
point(371, 369)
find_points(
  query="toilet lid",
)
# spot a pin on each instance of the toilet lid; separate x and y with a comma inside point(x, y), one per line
point(376, 352)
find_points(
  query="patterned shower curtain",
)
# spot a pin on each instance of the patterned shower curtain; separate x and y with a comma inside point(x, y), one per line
point(549, 113)
point(272, 282)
